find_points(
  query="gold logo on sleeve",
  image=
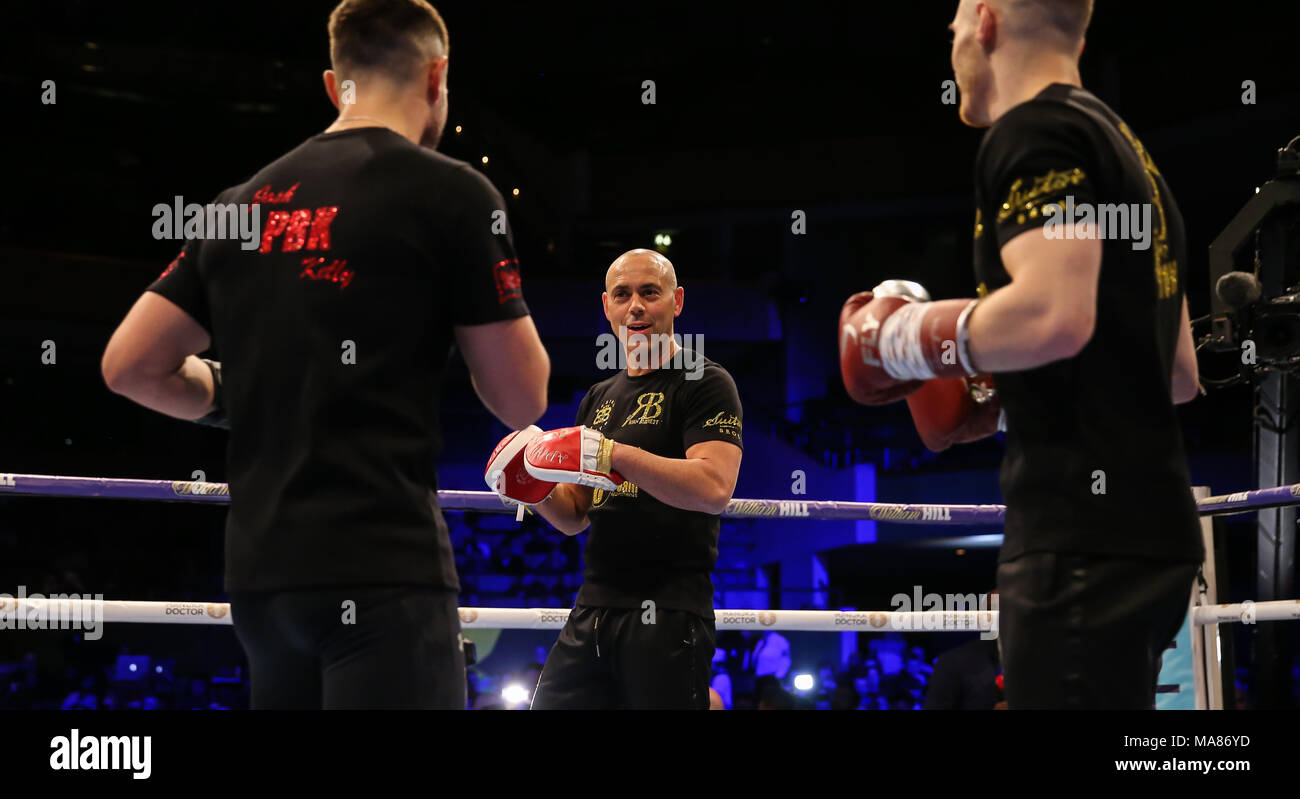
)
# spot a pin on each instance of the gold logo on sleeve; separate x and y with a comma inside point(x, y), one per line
point(728, 423)
point(1020, 199)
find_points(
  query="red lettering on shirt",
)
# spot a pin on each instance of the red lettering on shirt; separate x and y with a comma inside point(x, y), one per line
point(319, 238)
point(265, 195)
point(301, 227)
point(336, 271)
point(172, 265)
point(276, 221)
point(295, 234)
point(509, 286)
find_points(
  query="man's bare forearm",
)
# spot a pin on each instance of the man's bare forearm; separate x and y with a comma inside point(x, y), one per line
point(686, 483)
point(566, 508)
point(1011, 332)
point(184, 394)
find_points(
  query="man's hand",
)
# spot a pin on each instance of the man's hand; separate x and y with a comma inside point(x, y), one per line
point(505, 472)
point(219, 416)
point(578, 455)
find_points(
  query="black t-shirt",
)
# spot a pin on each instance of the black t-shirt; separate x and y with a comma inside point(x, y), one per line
point(1095, 461)
point(333, 335)
point(639, 548)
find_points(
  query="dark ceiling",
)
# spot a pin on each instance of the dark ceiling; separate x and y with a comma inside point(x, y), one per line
point(759, 106)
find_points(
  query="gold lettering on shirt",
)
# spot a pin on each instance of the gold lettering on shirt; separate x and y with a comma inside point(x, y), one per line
point(600, 496)
point(728, 423)
point(1019, 199)
point(602, 413)
point(649, 407)
point(979, 225)
point(1166, 268)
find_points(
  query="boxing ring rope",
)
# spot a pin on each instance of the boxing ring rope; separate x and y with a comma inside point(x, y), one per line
point(50, 612)
point(489, 502)
point(55, 612)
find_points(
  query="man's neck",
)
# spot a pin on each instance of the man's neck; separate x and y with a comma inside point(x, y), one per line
point(1020, 80)
point(673, 349)
point(392, 117)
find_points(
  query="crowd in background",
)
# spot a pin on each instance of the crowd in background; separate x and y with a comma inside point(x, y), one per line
point(750, 671)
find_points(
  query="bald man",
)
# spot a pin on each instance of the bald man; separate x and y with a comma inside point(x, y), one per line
point(1085, 332)
point(649, 468)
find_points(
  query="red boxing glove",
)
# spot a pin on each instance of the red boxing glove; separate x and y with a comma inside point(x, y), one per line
point(955, 410)
point(893, 337)
point(506, 474)
point(573, 455)
point(861, 367)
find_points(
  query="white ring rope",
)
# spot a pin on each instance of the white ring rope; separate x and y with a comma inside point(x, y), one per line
point(56, 613)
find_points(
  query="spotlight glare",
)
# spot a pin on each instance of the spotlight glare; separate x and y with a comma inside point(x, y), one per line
point(514, 694)
point(803, 682)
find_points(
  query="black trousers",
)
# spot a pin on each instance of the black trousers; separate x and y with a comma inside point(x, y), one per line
point(384, 647)
point(1086, 631)
point(611, 658)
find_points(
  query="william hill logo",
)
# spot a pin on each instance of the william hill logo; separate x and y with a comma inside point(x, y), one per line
point(191, 488)
point(910, 513)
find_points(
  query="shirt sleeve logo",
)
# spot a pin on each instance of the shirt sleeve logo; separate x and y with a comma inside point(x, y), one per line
point(172, 266)
point(728, 423)
point(1021, 201)
point(509, 286)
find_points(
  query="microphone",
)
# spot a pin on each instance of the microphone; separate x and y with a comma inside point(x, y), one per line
point(1238, 289)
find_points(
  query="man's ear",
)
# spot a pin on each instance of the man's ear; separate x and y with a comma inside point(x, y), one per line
point(331, 87)
point(987, 31)
point(679, 300)
point(438, 78)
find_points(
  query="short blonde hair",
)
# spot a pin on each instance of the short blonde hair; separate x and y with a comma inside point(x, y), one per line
point(1063, 20)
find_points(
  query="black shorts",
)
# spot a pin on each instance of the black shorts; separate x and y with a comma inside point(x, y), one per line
point(400, 647)
point(611, 658)
point(1088, 631)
